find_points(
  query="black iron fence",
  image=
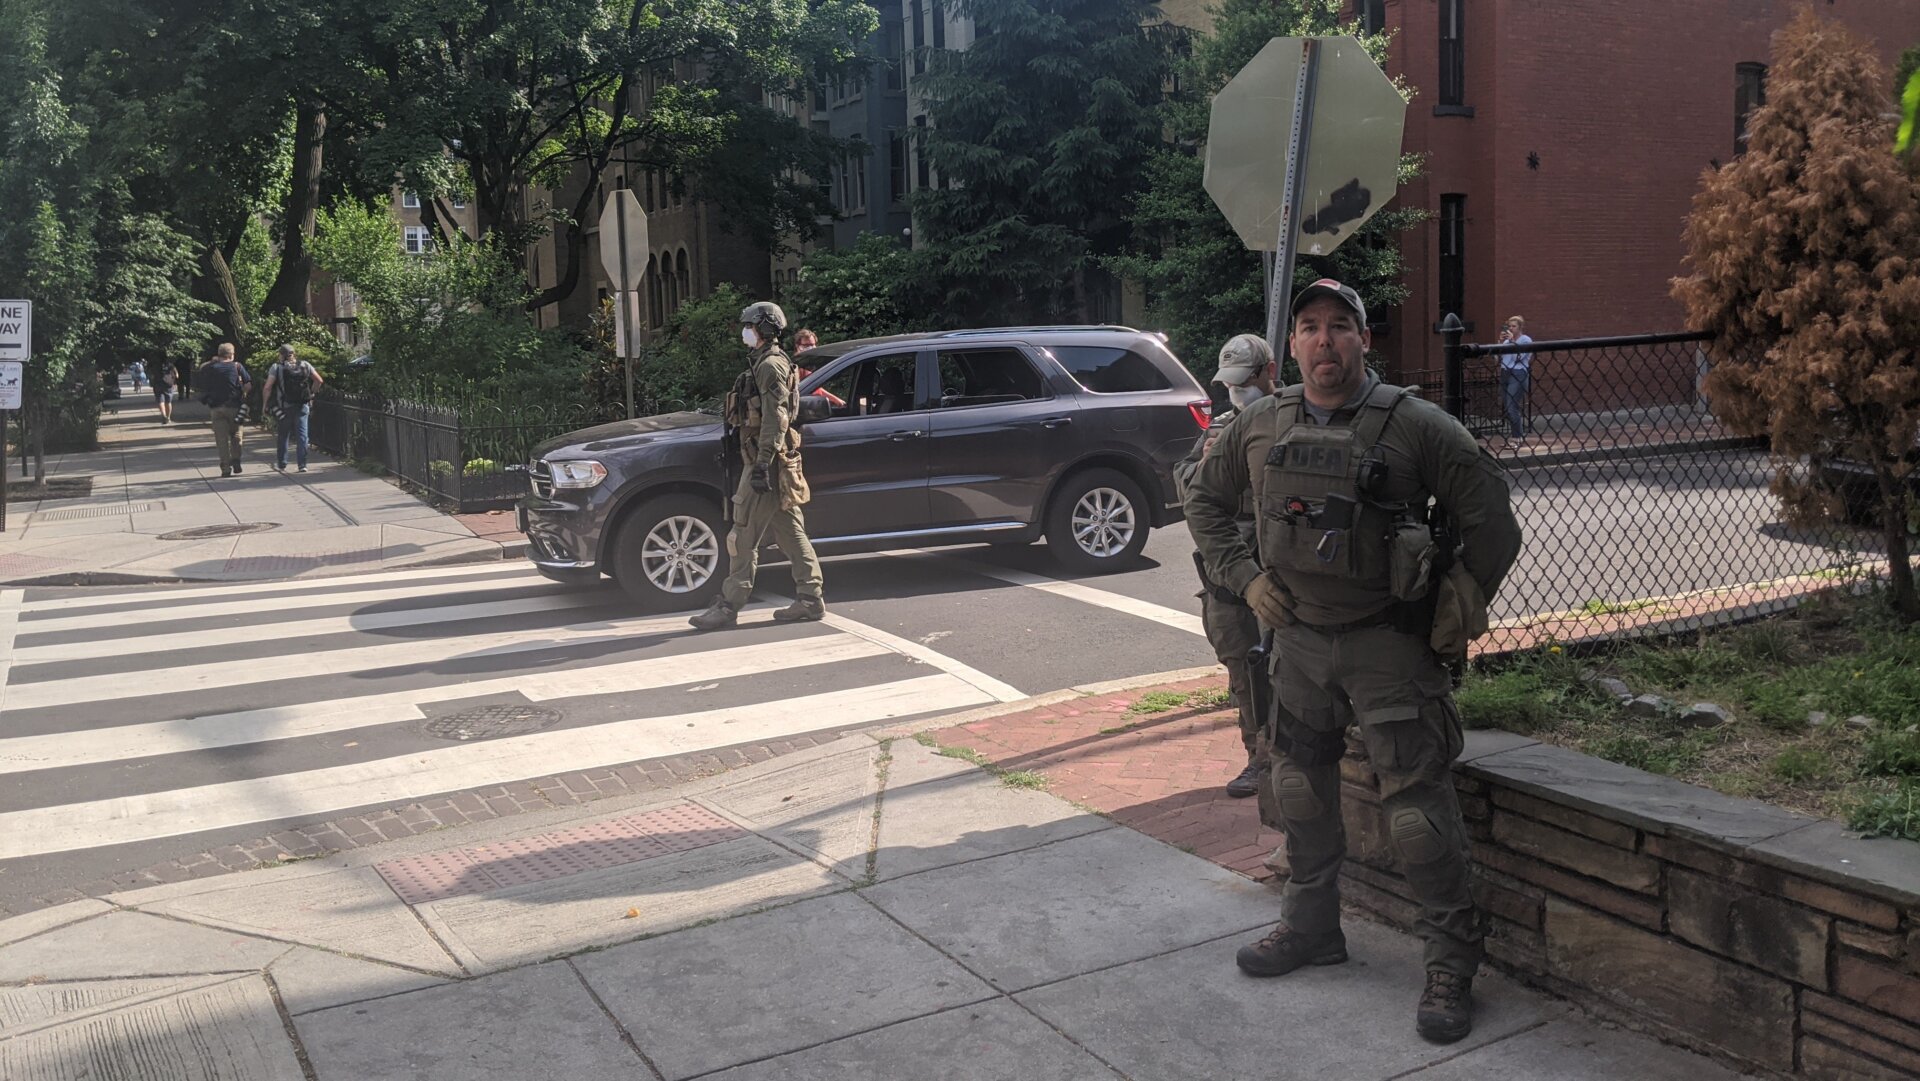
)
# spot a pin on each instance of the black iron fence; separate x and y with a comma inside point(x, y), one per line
point(1643, 514)
point(472, 455)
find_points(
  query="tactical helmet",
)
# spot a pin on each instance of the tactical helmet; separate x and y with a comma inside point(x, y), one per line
point(765, 311)
point(1242, 358)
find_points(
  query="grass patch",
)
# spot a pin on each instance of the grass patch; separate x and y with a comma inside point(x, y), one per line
point(1024, 778)
point(1891, 812)
point(1598, 607)
point(925, 739)
point(1116, 730)
point(964, 754)
point(1217, 698)
point(1160, 702)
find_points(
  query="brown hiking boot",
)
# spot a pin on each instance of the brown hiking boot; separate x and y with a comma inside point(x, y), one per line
point(1285, 949)
point(1446, 1007)
point(803, 609)
point(718, 615)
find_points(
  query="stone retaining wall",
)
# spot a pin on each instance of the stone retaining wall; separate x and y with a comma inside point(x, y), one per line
point(1779, 941)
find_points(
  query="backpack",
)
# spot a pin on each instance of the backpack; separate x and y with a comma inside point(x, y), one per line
point(296, 384)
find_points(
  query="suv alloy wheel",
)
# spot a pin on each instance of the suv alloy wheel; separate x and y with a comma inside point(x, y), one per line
point(671, 553)
point(1097, 522)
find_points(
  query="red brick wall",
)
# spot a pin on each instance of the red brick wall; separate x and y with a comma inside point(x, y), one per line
point(1625, 104)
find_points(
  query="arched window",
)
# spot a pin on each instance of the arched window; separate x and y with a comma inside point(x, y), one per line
point(686, 290)
point(656, 313)
point(1749, 93)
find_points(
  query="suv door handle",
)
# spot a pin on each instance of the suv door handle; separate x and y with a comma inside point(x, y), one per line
point(1056, 422)
point(903, 436)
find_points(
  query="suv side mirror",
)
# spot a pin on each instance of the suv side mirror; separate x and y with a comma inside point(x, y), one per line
point(813, 407)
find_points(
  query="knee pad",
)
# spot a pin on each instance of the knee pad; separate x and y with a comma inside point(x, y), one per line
point(1413, 837)
point(1294, 793)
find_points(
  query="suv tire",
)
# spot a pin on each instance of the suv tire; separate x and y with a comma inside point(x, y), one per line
point(671, 553)
point(1097, 522)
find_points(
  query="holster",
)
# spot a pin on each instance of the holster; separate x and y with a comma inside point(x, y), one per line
point(1218, 592)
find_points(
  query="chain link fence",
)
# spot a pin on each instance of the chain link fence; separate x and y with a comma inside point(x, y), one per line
point(1642, 513)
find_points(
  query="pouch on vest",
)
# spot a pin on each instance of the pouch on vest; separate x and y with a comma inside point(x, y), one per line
point(1410, 555)
point(794, 491)
point(1459, 613)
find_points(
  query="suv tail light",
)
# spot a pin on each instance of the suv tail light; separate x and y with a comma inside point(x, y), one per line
point(1202, 411)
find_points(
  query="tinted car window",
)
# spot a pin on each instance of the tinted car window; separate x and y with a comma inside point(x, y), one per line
point(1110, 369)
point(986, 376)
point(872, 386)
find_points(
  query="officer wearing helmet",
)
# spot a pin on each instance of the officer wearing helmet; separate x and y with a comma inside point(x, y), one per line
point(1247, 370)
point(763, 408)
point(1383, 530)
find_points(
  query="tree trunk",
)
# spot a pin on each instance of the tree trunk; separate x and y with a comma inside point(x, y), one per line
point(292, 285)
point(229, 293)
point(567, 263)
point(1893, 521)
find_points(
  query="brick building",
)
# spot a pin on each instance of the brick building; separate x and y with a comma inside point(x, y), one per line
point(1565, 141)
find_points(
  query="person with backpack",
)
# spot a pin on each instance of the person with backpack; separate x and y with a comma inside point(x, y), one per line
point(296, 381)
point(166, 381)
point(223, 384)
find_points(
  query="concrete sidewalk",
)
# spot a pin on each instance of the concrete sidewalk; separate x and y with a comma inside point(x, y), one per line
point(862, 909)
point(159, 511)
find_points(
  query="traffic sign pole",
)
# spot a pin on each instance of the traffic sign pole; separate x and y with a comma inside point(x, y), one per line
point(1280, 288)
point(621, 301)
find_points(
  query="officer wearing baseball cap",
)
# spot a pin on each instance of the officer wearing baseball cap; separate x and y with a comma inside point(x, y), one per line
point(1248, 372)
point(1382, 529)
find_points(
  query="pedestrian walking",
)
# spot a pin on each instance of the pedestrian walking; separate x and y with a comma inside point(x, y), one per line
point(762, 415)
point(288, 395)
point(224, 385)
point(138, 370)
point(1516, 377)
point(1248, 371)
point(1382, 532)
point(166, 378)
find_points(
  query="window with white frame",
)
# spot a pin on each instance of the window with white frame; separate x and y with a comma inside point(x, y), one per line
point(418, 242)
point(410, 200)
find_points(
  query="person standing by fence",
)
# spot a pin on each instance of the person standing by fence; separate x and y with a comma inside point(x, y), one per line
point(1516, 376)
point(296, 381)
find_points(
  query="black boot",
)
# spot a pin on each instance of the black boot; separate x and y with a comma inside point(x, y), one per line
point(1446, 1007)
point(803, 609)
point(1285, 949)
point(1248, 783)
point(718, 615)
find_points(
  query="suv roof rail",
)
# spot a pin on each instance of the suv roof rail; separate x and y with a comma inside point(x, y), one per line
point(1085, 327)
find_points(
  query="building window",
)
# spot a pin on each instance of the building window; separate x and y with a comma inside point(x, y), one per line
point(897, 166)
point(1453, 54)
point(939, 19)
point(684, 288)
point(410, 200)
point(1453, 255)
point(922, 169)
point(1749, 93)
point(1372, 15)
point(459, 201)
point(919, 36)
point(418, 242)
point(896, 46)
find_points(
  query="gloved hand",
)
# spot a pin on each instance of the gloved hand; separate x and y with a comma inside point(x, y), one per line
point(761, 479)
point(1269, 601)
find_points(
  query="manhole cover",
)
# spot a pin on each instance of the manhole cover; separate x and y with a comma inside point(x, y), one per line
point(208, 532)
point(492, 722)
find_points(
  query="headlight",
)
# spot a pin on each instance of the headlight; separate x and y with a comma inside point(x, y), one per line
point(579, 474)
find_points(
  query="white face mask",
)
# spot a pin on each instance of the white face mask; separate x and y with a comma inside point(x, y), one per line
point(1243, 397)
point(750, 336)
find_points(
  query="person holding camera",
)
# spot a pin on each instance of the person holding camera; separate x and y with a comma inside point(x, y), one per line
point(1516, 376)
point(296, 380)
point(224, 384)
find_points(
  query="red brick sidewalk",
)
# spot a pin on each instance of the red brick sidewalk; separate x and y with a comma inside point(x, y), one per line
point(1164, 775)
point(494, 525)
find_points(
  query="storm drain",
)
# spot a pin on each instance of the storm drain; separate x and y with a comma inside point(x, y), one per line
point(209, 532)
point(74, 514)
point(491, 722)
point(500, 864)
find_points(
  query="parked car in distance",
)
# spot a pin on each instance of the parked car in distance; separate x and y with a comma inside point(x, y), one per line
point(1004, 435)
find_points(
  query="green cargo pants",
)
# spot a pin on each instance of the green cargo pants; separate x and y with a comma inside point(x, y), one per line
point(755, 515)
point(226, 435)
point(1232, 631)
point(1400, 694)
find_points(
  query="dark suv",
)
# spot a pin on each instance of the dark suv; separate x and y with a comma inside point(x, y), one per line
point(966, 437)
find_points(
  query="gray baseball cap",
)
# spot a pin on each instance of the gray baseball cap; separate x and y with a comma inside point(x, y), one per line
point(1327, 287)
point(1242, 358)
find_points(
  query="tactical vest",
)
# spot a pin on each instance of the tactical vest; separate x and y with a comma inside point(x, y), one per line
point(744, 409)
point(1314, 514)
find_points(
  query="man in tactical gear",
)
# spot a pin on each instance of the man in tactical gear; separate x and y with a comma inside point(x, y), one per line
point(1247, 370)
point(1363, 492)
point(762, 412)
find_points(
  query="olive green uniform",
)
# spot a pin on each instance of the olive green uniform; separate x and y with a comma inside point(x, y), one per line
point(1355, 651)
point(1231, 628)
point(768, 438)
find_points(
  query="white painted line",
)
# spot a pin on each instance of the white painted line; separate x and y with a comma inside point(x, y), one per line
point(1099, 598)
point(24, 754)
point(991, 687)
point(336, 662)
point(64, 604)
point(396, 591)
point(358, 622)
point(127, 819)
point(9, 622)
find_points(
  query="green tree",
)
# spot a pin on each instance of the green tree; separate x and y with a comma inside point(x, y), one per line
point(1801, 255)
point(1038, 132)
point(870, 289)
point(1203, 286)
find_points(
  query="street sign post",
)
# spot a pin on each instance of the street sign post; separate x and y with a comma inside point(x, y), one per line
point(623, 252)
point(1338, 164)
point(16, 348)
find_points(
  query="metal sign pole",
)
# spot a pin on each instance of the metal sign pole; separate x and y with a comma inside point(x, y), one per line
point(1280, 286)
point(3, 469)
point(626, 291)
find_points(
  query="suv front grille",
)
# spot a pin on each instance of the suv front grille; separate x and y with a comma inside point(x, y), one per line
point(540, 477)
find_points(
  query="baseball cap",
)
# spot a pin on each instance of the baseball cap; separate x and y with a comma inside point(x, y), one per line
point(1241, 358)
point(1327, 287)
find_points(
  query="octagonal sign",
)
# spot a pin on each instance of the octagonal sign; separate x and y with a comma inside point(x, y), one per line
point(1353, 156)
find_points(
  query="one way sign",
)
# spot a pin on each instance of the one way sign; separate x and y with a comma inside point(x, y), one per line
point(16, 329)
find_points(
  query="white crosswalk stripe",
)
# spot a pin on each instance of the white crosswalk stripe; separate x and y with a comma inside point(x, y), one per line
point(152, 714)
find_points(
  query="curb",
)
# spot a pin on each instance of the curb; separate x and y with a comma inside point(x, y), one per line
point(1049, 698)
point(70, 579)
